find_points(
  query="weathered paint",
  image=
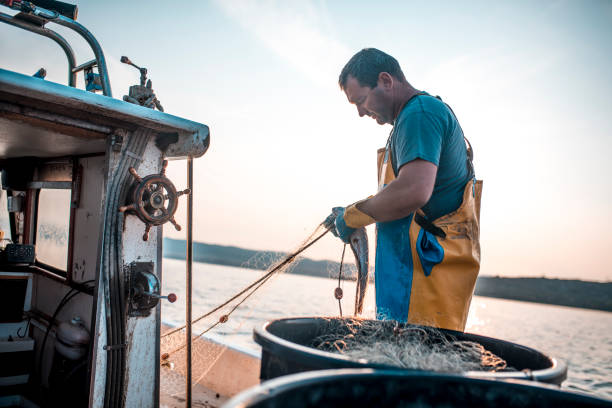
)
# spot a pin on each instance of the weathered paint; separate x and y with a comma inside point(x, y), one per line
point(193, 137)
point(98, 371)
point(55, 129)
point(97, 384)
point(87, 219)
point(141, 365)
point(141, 332)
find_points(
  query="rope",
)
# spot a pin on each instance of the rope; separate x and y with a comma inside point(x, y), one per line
point(256, 285)
point(338, 291)
point(222, 319)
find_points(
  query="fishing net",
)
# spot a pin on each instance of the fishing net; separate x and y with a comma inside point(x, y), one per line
point(405, 346)
point(207, 353)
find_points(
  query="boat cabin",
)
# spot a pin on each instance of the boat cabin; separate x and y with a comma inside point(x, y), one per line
point(83, 202)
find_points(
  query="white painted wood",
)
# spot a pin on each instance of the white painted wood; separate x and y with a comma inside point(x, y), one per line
point(98, 371)
point(141, 332)
point(97, 384)
point(87, 220)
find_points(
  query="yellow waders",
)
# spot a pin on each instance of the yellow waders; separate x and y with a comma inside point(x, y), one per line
point(422, 278)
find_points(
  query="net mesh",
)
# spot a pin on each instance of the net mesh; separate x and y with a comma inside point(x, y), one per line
point(205, 354)
point(382, 342)
point(406, 346)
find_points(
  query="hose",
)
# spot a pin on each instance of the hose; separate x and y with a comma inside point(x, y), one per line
point(72, 293)
point(112, 276)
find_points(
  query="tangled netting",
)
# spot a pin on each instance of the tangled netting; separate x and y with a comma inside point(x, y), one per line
point(207, 355)
point(406, 346)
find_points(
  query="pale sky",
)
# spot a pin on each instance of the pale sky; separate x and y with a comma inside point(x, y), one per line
point(529, 81)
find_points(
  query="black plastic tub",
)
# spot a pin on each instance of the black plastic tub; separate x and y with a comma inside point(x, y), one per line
point(357, 388)
point(285, 351)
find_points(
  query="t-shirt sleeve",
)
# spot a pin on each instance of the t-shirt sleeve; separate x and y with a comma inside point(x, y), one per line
point(418, 136)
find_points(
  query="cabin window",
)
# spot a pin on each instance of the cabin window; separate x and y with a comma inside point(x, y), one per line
point(52, 227)
point(5, 225)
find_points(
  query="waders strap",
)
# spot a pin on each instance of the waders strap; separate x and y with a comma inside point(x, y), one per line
point(470, 151)
point(428, 225)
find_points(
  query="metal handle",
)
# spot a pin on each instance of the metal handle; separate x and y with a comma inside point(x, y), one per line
point(171, 297)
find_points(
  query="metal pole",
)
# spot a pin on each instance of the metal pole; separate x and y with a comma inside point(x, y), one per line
point(188, 278)
point(95, 47)
point(50, 15)
point(5, 18)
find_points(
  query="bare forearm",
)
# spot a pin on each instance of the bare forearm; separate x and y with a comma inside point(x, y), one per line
point(407, 193)
point(393, 202)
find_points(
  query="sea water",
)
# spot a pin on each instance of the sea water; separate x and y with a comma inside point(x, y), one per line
point(580, 337)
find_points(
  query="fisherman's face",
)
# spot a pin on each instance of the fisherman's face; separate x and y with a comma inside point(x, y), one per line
point(373, 102)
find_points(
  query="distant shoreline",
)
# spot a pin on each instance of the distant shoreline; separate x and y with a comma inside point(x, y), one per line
point(561, 292)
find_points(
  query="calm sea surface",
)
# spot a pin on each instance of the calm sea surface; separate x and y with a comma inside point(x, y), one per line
point(580, 337)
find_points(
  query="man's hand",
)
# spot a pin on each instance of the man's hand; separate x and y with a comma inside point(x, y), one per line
point(342, 222)
point(336, 224)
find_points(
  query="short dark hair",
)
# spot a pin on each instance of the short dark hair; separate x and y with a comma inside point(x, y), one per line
point(367, 64)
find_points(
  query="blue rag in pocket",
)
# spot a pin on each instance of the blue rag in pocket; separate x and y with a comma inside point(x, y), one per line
point(429, 250)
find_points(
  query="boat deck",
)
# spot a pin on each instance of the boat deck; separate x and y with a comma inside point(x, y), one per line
point(219, 371)
point(201, 396)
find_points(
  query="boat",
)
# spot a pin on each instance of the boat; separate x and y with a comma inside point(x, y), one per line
point(83, 204)
point(84, 201)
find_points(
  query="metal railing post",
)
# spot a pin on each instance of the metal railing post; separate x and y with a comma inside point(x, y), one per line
point(61, 41)
point(189, 257)
point(49, 15)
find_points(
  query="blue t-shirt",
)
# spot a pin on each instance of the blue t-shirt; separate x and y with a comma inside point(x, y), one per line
point(427, 129)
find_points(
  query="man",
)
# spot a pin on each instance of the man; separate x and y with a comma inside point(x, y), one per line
point(427, 207)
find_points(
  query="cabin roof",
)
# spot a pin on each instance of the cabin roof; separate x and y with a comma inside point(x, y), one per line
point(46, 119)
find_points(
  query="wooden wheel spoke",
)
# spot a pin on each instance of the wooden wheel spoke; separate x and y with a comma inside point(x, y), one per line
point(127, 208)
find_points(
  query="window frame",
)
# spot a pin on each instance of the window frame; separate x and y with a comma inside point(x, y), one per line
point(32, 207)
point(56, 185)
point(8, 234)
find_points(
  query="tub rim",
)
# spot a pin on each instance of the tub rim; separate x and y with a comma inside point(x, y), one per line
point(556, 373)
